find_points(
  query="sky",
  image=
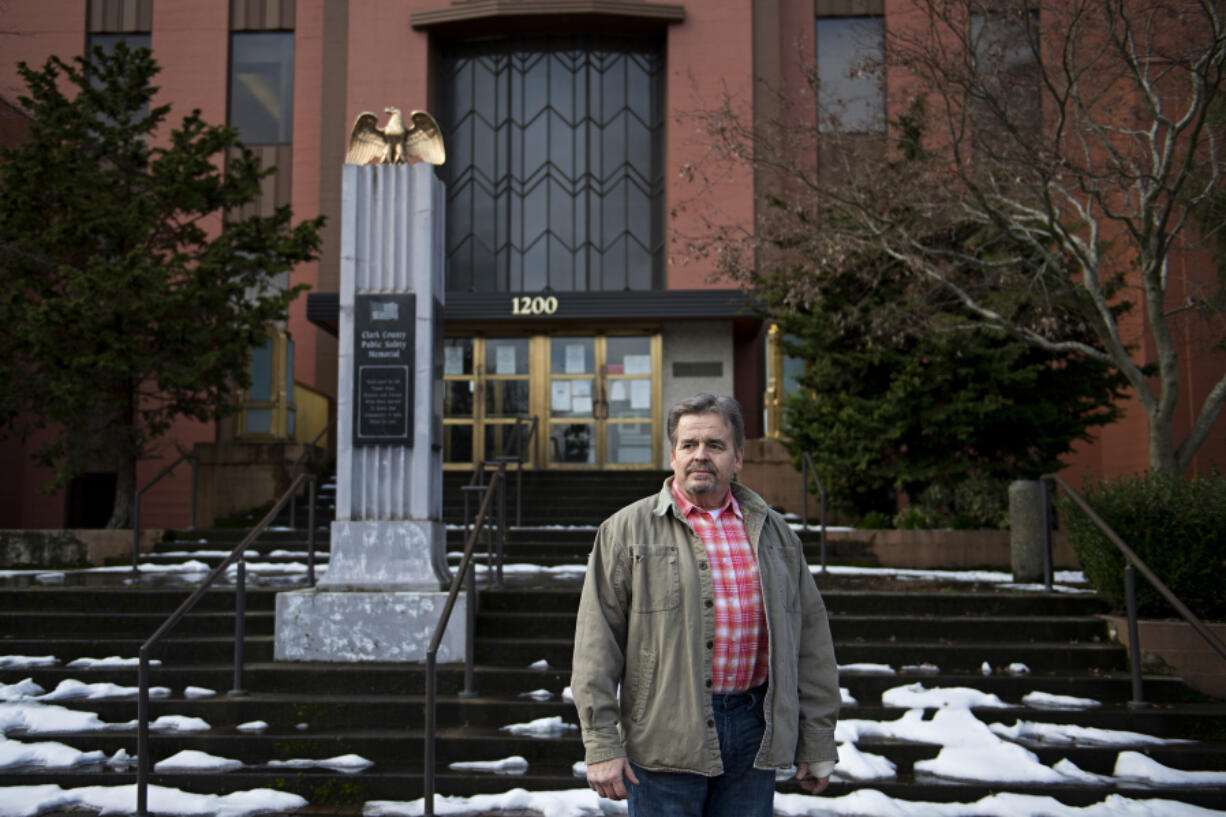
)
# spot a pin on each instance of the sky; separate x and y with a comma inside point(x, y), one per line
point(986, 751)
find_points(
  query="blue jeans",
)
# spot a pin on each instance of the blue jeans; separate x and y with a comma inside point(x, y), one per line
point(741, 791)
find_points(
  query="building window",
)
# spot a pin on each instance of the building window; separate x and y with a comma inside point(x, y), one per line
point(262, 86)
point(554, 164)
point(1006, 52)
point(851, 74)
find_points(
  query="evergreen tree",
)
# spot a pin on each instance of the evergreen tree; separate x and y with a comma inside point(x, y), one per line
point(131, 290)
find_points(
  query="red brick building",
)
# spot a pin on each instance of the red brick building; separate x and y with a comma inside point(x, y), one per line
point(566, 135)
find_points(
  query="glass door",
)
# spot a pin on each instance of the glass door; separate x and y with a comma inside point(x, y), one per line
point(597, 397)
point(603, 400)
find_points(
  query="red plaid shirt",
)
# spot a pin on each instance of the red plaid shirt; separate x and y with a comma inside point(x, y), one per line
point(741, 657)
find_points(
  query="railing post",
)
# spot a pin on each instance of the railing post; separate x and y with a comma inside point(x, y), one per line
point(142, 735)
point(470, 632)
point(311, 535)
point(502, 524)
point(136, 531)
point(428, 769)
point(1134, 643)
point(240, 624)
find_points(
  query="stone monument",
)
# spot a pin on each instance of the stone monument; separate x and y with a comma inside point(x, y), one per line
point(382, 595)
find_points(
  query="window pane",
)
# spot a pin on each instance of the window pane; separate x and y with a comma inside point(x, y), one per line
point(506, 398)
point(261, 373)
point(457, 443)
point(506, 356)
point(259, 421)
point(629, 442)
point(458, 398)
point(555, 163)
point(572, 355)
point(457, 356)
point(262, 86)
point(851, 84)
point(572, 442)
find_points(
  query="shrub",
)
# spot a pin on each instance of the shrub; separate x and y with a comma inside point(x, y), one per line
point(977, 502)
point(1178, 529)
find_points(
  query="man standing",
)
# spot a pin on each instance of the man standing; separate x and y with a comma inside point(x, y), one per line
point(699, 604)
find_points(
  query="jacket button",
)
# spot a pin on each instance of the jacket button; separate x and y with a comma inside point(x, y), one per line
point(702, 565)
point(709, 603)
point(708, 683)
point(710, 724)
point(710, 645)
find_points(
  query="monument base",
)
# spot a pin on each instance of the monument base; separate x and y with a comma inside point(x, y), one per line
point(318, 625)
point(387, 555)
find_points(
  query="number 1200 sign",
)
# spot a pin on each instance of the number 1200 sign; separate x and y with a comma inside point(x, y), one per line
point(529, 305)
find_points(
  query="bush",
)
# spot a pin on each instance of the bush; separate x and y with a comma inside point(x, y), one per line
point(1178, 529)
point(977, 502)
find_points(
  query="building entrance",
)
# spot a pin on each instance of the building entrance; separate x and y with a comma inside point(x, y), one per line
point(595, 399)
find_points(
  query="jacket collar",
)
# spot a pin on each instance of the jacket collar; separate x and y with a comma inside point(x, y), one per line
point(750, 502)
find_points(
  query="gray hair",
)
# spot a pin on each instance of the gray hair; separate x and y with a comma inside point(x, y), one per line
point(703, 403)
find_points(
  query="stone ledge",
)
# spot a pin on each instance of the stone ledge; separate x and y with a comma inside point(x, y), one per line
point(1180, 646)
point(79, 547)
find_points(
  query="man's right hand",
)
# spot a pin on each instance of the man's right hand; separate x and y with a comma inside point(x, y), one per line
point(608, 778)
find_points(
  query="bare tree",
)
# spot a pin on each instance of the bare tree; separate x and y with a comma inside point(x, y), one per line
point(1041, 162)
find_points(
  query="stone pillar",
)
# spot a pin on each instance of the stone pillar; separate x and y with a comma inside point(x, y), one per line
point(1026, 522)
point(381, 598)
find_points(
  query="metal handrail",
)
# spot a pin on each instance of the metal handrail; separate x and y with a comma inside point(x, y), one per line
point(496, 536)
point(1130, 594)
point(807, 466)
point(293, 504)
point(240, 612)
point(521, 443)
point(464, 573)
point(148, 485)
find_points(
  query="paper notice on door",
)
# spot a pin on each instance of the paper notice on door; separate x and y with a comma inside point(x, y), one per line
point(638, 364)
point(453, 360)
point(559, 396)
point(576, 358)
point(582, 405)
point(618, 391)
point(506, 360)
point(581, 388)
point(640, 394)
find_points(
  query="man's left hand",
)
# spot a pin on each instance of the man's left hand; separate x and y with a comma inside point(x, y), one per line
point(813, 785)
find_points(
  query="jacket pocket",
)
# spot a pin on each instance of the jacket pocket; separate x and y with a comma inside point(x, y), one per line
point(655, 581)
point(643, 685)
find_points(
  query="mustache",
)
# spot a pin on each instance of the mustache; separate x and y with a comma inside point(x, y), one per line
point(700, 469)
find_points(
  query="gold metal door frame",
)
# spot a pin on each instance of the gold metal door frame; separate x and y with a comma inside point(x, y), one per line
point(539, 378)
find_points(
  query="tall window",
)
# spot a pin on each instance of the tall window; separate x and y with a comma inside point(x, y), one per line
point(1006, 49)
point(554, 163)
point(262, 86)
point(851, 75)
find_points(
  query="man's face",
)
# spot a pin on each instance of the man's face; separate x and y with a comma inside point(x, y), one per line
point(704, 459)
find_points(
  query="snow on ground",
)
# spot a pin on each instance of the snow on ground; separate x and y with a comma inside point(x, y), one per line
point(541, 727)
point(198, 692)
point(340, 763)
point(915, 695)
point(585, 803)
point(110, 662)
point(27, 801)
point(1054, 733)
point(1045, 700)
point(508, 765)
point(193, 760)
point(44, 754)
point(252, 726)
point(26, 661)
point(1134, 766)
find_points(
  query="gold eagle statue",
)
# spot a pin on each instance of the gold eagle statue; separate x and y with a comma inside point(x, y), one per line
point(393, 143)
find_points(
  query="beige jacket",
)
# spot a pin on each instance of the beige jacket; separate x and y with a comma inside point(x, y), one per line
point(647, 622)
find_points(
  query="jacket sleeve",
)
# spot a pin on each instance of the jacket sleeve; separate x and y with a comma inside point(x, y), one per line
point(600, 645)
point(817, 672)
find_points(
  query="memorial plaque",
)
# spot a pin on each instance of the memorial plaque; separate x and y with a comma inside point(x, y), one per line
point(383, 365)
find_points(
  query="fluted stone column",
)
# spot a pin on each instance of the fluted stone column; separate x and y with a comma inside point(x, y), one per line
point(381, 598)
